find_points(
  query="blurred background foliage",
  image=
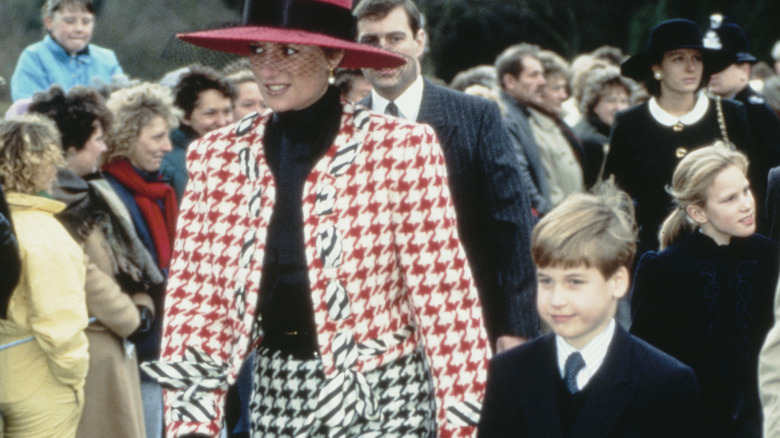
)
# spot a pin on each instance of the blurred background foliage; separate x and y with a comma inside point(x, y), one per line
point(461, 33)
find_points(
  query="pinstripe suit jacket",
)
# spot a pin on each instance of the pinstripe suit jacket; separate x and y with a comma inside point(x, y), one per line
point(492, 207)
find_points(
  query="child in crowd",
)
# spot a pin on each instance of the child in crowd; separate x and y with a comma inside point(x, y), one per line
point(706, 297)
point(589, 378)
point(65, 56)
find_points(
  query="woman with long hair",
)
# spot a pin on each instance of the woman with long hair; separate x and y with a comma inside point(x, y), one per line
point(706, 297)
point(648, 140)
point(322, 236)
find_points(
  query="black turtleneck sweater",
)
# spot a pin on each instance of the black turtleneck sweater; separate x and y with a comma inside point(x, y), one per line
point(294, 142)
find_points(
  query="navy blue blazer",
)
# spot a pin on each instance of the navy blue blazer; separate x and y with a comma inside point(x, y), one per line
point(491, 204)
point(638, 391)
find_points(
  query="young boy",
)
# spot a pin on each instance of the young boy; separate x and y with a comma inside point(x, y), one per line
point(589, 378)
point(65, 56)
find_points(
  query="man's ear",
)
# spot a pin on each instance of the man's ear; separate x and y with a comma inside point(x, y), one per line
point(697, 214)
point(420, 40)
point(508, 81)
point(619, 282)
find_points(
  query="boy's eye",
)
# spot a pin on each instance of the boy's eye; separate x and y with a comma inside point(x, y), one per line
point(545, 281)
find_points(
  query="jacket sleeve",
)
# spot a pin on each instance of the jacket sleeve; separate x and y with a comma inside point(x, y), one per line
point(58, 311)
point(193, 366)
point(105, 299)
point(769, 375)
point(29, 76)
point(443, 295)
point(514, 301)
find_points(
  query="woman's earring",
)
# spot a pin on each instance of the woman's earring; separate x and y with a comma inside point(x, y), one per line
point(658, 75)
point(331, 78)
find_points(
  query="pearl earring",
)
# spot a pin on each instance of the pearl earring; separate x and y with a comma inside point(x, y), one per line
point(658, 75)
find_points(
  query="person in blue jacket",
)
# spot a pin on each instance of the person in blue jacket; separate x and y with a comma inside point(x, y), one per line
point(64, 56)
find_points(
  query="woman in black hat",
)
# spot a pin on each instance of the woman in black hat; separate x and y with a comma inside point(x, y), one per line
point(323, 237)
point(649, 140)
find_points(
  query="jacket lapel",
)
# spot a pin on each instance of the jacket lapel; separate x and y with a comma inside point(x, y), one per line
point(610, 392)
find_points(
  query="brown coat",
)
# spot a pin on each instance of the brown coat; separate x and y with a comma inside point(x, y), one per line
point(112, 395)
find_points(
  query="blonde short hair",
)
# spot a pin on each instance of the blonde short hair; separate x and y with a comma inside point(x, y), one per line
point(28, 145)
point(133, 108)
point(592, 229)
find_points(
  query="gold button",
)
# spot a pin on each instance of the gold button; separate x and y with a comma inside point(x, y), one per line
point(678, 127)
point(680, 152)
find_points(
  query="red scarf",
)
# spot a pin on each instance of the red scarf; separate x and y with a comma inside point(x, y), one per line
point(161, 223)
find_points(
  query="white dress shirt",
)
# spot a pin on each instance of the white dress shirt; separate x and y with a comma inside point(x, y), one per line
point(593, 353)
point(408, 103)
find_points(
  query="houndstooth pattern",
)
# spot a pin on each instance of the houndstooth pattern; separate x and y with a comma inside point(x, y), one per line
point(383, 227)
point(285, 391)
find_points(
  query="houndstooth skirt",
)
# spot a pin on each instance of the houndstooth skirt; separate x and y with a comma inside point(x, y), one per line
point(286, 393)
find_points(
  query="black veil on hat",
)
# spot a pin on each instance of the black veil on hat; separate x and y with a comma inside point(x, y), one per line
point(323, 23)
point(670, 35)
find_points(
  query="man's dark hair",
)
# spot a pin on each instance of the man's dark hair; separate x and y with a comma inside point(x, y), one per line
point(378, 9)
point(74, 113)
point(198, 79)
point(511, 60)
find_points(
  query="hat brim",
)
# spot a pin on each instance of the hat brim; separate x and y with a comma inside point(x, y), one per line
point(238, 39)
point(639, 66)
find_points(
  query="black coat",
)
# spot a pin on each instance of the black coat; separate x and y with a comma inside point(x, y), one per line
point(637, 392)
point(643, 156)
point(594, 134)
point(773, 203)
point(710, 307)
point(491, 204)
point(10, 263)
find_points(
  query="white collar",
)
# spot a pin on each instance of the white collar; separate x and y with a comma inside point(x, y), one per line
point(408, 103)
point(593, 353)
point(666, 119)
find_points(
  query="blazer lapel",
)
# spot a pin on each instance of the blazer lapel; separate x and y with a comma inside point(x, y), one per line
point(610, 393)
point(432, 112)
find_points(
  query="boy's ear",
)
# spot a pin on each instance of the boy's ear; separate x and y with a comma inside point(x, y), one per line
point(618, 283)
point(47, 23)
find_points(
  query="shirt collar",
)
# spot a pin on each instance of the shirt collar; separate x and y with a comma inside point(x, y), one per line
point(60, 51)
point(23, 201)
point(666, 119)
point(593, 353)
point(408, 103)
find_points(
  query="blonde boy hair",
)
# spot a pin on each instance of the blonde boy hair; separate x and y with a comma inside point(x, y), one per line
point(592, 229)
point(28, 146)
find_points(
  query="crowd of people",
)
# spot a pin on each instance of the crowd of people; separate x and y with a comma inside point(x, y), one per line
point(318, 240)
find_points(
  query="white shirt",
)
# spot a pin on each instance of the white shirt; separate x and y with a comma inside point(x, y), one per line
point(666, 119)
point(408, 103)
point(593, 354)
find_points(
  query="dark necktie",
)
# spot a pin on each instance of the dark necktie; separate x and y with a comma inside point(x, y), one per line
point(391, 109)
point(574, 363)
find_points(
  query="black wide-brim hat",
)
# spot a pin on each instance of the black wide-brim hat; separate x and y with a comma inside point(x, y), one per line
point(671, 35)
point(323, 23)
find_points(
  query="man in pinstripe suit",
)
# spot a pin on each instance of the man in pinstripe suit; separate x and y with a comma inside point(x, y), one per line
point(491, 203)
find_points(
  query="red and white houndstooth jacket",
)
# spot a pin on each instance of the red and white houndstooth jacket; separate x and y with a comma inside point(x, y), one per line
point(386, 268)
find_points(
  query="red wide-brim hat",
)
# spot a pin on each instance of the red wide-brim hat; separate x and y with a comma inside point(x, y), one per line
point(323, 23)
